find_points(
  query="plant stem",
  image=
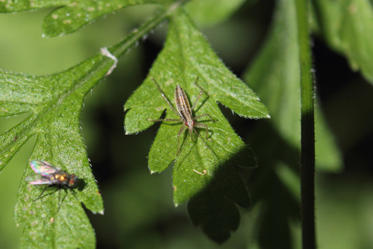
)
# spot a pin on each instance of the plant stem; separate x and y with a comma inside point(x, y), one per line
point(131, 40)
point(307, 167)
point(144, 29)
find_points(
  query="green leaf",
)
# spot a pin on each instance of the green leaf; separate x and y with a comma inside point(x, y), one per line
point(52, 104)
point(275, 75)
point(210, 12)
point(186, 56)
point(347, 26)
point(70, 15)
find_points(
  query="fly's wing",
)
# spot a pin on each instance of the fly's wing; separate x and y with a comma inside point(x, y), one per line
point(43, 168)
point(38, 181)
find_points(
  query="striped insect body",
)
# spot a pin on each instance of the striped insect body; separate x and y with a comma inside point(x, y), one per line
point(185, 112)
point(183, 108)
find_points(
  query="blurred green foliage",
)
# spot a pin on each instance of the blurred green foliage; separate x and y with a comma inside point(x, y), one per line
point(346, 26)
point(138, 206)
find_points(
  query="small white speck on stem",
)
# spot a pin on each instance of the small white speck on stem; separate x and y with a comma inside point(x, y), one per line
point(106, 52)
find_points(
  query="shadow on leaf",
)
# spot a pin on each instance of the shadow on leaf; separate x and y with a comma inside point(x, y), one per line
point(215, 208)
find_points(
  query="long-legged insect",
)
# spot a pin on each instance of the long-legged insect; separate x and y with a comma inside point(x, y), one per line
point(52, 176)
point(185, 112)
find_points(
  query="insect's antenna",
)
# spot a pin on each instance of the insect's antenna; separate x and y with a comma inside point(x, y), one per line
point(164, 96)
point(200, 88)
point(195, 108)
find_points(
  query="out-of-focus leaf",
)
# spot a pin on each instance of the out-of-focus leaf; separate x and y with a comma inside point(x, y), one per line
point(186, 56)
point(328, 156)
point(275, 75)
point(345, 202)
point(9, 183)
point(210, 12)
point(70, 15)
point(347, 26)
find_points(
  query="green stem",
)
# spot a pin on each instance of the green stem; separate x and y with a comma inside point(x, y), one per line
point(143, 30)
point(103, 63)
point(307, 167)
point(135, 36)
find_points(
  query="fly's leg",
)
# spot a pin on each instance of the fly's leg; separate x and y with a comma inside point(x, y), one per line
point(42, 195)
point(61, 201)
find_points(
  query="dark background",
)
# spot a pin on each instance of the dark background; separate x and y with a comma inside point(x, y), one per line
point(139, 212)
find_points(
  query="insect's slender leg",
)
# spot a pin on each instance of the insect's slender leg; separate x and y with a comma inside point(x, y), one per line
point(41, 194)
point(203, 140)
point(166, 120)
point(199, 95)
point(164, 96)
point(197, 100)
point(45, 195)
point(182, 129)
point(74, 194)
point(204, 115)
point(200, 88)
point(60, 202)
point(203, 126)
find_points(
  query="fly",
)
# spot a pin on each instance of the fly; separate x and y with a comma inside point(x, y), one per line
point(50, 175)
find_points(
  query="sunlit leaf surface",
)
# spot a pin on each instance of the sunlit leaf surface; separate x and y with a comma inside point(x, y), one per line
point(186, 57)
point(52, 105)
